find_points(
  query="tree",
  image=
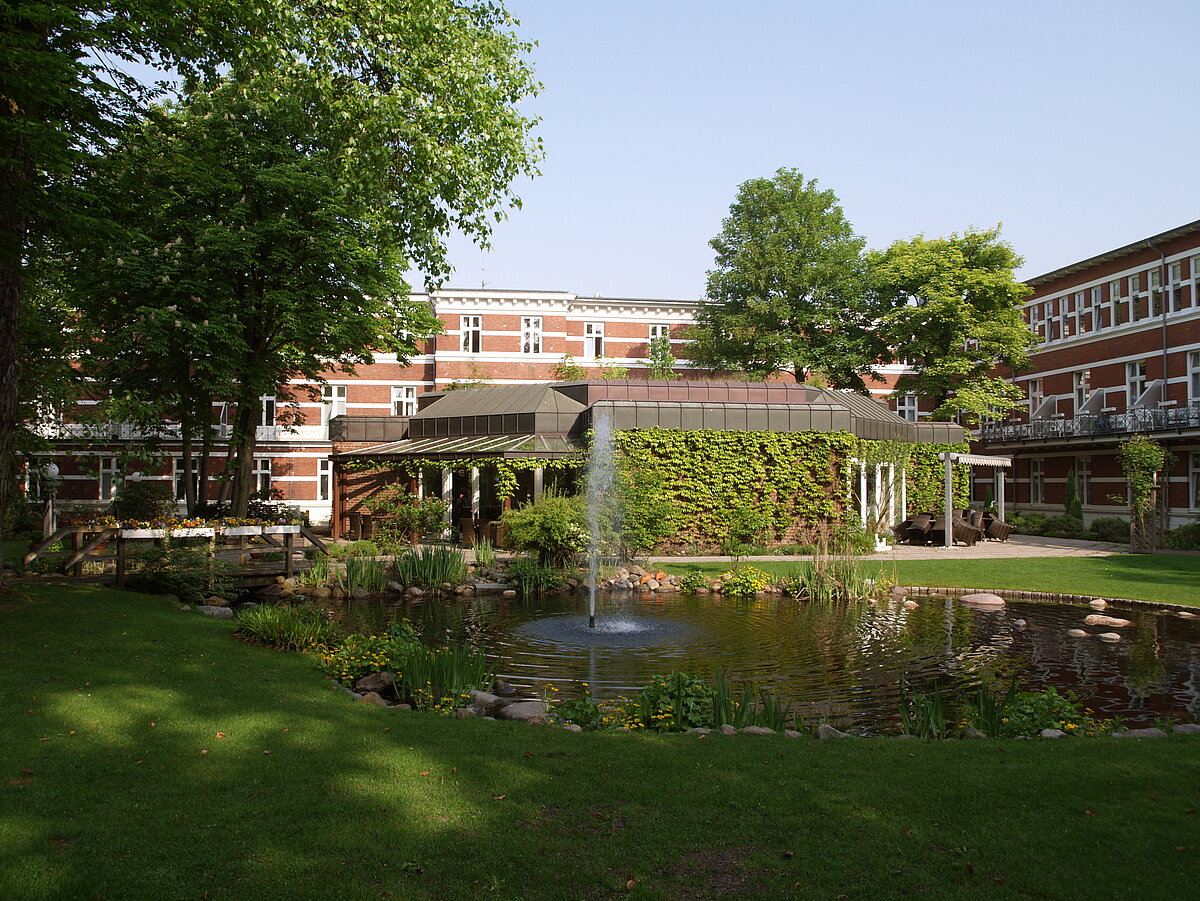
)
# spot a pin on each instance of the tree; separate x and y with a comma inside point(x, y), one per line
point(788, 291)
point(662, 361)
point(235, 263)
point(422, 98)
point(954, 317)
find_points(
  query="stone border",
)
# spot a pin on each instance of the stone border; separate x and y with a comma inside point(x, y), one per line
point(1011, 594)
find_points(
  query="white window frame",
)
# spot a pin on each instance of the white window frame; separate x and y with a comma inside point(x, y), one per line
point(660, 330)
point(404, 400)
point(1113, 307)
point(107, 479)
point(177, 477)
point(1135, 298)
point(268, 411)
point(324, 480)
point(1037, 480)
point(1034, 390)
point(333, 402)
point(1135, 381)
point(908, 406)
point(1083, 479)
point(1193, 361)
point(471, 330)
point(593, 340)
point(261, 475)
point(1081, 383)
point(1194, 480)
point(531, 334)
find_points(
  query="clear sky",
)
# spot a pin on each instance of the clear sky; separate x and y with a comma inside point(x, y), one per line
point(1075, 124)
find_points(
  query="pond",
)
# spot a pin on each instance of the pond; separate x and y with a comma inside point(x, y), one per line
point(840, 664)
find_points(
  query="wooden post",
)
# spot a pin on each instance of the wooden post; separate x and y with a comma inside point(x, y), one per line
point(122, 560)
point(76, 547)
point(289, 543)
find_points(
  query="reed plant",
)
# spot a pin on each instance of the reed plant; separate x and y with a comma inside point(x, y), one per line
point(439, 679)
point(485, 553)
point(430, 565)
point(317, 572)
point(289, 628)
point(923, 715)
point(365, 574)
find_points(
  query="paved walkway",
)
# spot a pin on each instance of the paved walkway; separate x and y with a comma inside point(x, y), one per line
point(1016, 546)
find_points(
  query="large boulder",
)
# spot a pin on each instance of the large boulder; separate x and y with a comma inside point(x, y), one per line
point(488, 703)
point(1099, 619)
point(218, 612)
point(372, 697)
point(1149, 732)
point(983, 599)
point(376, 682)
point(523, 711)
point(824, 731)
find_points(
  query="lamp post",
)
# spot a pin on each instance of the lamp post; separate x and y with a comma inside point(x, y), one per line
point(49, 490)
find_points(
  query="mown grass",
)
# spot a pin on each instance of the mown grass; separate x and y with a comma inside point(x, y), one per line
point(1168, 578)
point(149, 754)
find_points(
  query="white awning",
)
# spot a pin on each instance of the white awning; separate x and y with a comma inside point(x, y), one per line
point(977, 460)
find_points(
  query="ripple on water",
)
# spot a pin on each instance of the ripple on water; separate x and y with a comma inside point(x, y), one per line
point(840, 663)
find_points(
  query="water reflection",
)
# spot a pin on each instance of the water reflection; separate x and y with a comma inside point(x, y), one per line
point(841, 663)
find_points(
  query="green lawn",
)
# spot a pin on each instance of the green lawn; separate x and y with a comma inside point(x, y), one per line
point(1171, 578)
point(148, 754)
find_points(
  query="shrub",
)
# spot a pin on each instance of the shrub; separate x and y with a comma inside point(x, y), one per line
point(693, 581)
point(181, 568)
point(143, 502)
point(551, 527)
point(290, 628)
point(1110, 528)
point(675, 702)
point(744, 581)
point(354, 549)
point(1062, 527)
point(356, 656)
point(1185, 538)
point(532, 577)
point(1032, 711)
point(1028, 523)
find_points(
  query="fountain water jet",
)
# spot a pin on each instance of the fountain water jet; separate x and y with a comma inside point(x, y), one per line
point(601, 482)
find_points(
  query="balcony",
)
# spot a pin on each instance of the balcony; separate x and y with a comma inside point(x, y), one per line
point(1094, 427)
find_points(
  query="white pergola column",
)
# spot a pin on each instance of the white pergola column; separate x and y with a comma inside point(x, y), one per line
point(539, 479)
point(949, 509)
point(475, 491)
point(448, 496)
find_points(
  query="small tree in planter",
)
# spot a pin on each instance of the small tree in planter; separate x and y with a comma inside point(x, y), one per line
point(1143, 459)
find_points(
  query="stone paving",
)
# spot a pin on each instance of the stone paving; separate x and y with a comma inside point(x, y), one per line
point(1016, 546)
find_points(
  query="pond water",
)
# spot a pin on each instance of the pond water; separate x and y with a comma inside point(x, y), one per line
point(842, 664)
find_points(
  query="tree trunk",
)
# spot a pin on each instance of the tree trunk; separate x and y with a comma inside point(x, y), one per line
point(16, 178)
point(242, 443)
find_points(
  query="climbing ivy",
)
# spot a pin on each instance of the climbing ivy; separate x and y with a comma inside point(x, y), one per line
point(927, 478)
point(505, 469)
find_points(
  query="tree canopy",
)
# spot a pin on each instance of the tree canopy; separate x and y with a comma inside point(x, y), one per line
point(954, 318)
point(789, 289)
point(417, 104)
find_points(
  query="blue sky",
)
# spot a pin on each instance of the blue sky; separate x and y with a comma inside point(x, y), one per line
point(1076, 124)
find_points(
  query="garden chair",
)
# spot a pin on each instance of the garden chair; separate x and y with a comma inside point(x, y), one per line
point(918, 530)
point(998, 530)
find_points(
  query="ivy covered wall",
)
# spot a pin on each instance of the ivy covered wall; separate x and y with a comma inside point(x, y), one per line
point(797, 479)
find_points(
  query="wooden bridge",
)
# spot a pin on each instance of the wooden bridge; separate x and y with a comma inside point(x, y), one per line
point(256, 554)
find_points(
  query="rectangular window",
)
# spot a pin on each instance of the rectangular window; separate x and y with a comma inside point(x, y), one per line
point(660, 330)
point(1083, 478)
point(1194, 377)
point(1194, 481)
point(404, 400)
point(531, 334)
point(1135, 381)
point(907, 407)
point(471, 328)
point(1035, 395)
point(262, 475)
point(1082, 385)
point(1112, 309)
point(1175, 286)
point(333, 402)
point(178, 478)
point(108, 478)
point(324, 480)
point(266, 416)
point(1037, 481)
point(593, 340)
point(1135, 298)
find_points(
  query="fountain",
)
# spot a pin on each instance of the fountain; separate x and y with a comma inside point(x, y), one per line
point(601, 483)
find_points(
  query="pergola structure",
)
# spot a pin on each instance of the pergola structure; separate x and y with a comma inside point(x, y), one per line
point(999, 464)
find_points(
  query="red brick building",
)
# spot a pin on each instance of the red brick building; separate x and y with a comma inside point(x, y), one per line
point(1119, 355)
